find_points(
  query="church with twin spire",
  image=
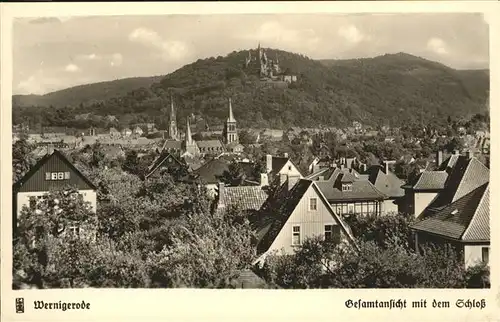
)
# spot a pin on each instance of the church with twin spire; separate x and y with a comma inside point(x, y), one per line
point(187, 147)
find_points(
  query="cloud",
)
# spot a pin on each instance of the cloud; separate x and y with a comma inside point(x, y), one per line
point(38, 83)
point(170, 50)
point(88, 57)
point(116, 59)
point(351, 33)
point(437, 45)
point(72, 68)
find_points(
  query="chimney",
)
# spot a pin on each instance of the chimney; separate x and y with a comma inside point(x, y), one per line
point(439, 158)
point(292, 180)
point(342, 166)
point(283, 178)
point(285, 155)
point(469, 154)
point(321, 178)
point(50, 149)
point(220, 204)
point(456, 152)
point(386, 169)
point(316, 168)
point(269, 163)
point(264, 180)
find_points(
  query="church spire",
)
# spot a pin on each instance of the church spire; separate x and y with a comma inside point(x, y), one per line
point(172, 129)
point(231, 116)
point(188, 137)
point(172, 111)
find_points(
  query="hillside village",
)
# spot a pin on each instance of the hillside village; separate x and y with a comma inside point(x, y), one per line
point(194, 204)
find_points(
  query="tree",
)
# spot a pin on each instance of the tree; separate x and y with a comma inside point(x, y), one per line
point(207, 251)
point(318, 264)
point(234, 176)
point(22, 158)
point(49, 234)
point(246, 137)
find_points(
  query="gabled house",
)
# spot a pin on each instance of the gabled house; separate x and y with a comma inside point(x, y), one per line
point(389, 184)
point(296, 211)
point(348, 193)
point(463, 223)
point(169, 163)
point(209, 174)
point(455, 177)
point(52, 172)
point(279, 168)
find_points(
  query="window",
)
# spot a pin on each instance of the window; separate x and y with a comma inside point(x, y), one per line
point(289, 168)
point(351, 209)
point(74, 230)
point(485, 253)
point(57, 175)
point(346, 187)
point(296, 235)
point(33, 201)
point(313, 204)
point(328, 232)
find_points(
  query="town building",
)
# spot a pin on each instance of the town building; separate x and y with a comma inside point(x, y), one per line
point(298, 210)
point(169, 163)
point(348, 192)
point(52, 172)
point(280, 168)
point(460, 218)
point(456, 176)
point(389, 184)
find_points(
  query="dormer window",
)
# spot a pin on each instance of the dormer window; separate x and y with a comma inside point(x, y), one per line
point(347, 187)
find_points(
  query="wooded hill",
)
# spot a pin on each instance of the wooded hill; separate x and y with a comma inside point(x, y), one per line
point(391, 89)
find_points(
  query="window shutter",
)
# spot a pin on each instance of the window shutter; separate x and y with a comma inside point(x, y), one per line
point(66, 175)
point(47, 175)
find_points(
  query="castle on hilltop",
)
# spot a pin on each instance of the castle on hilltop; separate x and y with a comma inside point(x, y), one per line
point(267, 68)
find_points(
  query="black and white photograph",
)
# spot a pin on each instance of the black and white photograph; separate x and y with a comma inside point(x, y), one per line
point(251, 151)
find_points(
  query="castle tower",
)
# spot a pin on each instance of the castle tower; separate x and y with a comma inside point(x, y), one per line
point(230, 133)
point(172, 129)
point(190, 145)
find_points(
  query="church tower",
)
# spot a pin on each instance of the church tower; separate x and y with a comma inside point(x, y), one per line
point(190, 145)
point(172, 129)
point(230, 132)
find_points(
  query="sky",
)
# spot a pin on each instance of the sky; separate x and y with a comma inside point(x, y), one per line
point(52, 53)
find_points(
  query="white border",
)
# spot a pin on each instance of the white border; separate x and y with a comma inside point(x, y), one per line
point(230, 305)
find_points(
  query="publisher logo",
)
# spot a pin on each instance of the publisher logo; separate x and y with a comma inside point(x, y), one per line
point(19, 305)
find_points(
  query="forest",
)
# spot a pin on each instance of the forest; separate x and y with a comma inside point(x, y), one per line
point(392, 89)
